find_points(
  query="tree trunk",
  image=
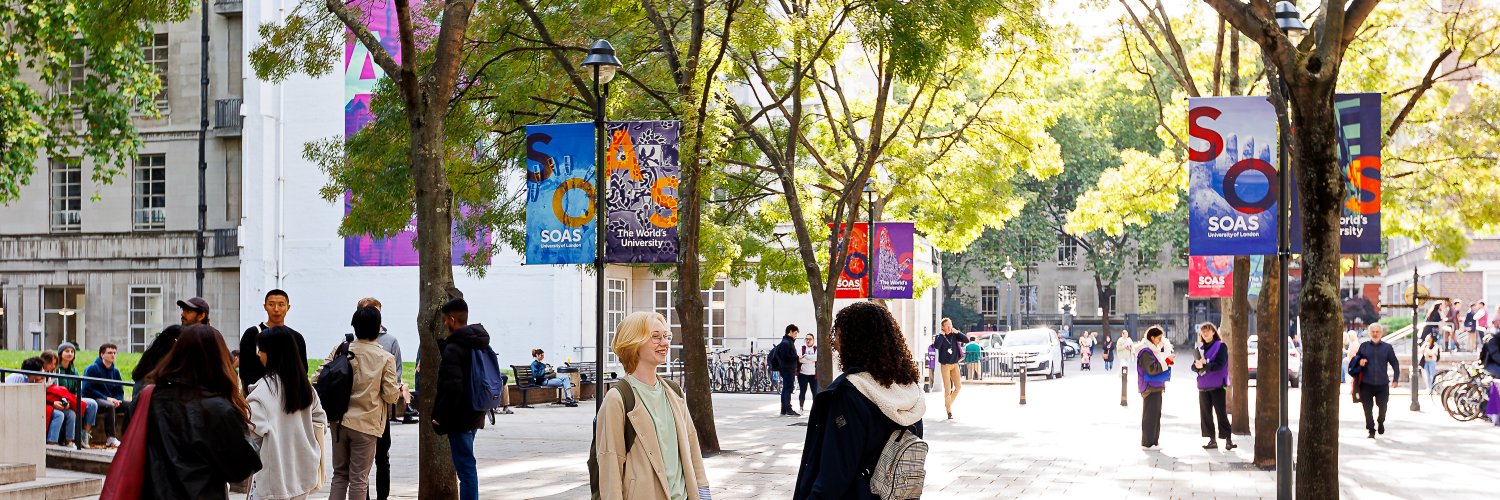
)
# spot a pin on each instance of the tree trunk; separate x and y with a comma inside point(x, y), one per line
point(435, 276)
point(1320, 180)
point(1105, 292)
point(1237, 325)
point(1268, 362)
point(689, 303)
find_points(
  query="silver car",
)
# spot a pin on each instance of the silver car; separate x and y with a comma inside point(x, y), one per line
point(1037, 348)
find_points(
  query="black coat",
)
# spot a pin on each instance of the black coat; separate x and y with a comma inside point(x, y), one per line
point(845, 435)
point(786, 355)
point(453, 409)
point(195, 445)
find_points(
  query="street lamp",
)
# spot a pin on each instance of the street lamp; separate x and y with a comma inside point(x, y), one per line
point(602, 62)
point(1289, 19)
point(1009, 271)
point(870, 240)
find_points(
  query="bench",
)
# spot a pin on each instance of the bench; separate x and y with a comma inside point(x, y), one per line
point(525, 383)
point(589, 374)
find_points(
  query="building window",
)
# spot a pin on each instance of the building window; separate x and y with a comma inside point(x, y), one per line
point(614, 313)
point(1114, 304)
point(1067, 251)
point(151, 192)
point(989, 302)
point(1067, 299)
point(77, 74)
point(713, 309)
point(1029, 299)
point(1145, 299)
point(67, 199)
point(62, 315)
point(145, 316)
point(155, 51)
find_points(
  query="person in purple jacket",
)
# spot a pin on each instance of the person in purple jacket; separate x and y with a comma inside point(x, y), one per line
point(1153, 370)
point(1212, 367)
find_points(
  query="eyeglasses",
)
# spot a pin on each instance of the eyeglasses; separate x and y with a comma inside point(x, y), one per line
point(662, 338)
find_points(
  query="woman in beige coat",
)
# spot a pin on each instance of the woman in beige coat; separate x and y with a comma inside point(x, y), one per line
point(664, 460)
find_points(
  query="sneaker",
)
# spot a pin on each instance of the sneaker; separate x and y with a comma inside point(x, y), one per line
point(111, 443)
point(1229, 445)
point(1212, 445)
point(790, 413)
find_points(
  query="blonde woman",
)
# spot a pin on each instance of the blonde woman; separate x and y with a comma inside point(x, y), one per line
point(664, 461)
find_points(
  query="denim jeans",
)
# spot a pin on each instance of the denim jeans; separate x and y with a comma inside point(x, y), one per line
point(462, 445)
point(90, 411)
point(566, 383)
point(63, 422)
point(1431, 368)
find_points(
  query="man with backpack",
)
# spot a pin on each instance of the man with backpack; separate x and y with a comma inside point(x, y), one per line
point(457, 412)
point(356, 387)
point(783, 361)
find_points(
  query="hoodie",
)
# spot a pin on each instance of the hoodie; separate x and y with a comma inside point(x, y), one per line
point(98, 391)
point(851, 422)
point(453, 410)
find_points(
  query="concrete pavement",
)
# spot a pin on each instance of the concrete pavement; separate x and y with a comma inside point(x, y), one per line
point(1073, 438)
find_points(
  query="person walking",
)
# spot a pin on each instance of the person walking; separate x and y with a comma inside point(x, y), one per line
point(1212, 367)
point(973, 353)
point(783, 361)
point(157, 351)
point(807, 371)
point(853, 419)
point(453, 413)
point(659, 458)
point(1125, 350)
point(286, 420)
point(197, 443)
point(1107, 351)
point(373, 388)
point(276, 305)
point(1368, 367)
point(1430, 357)
point(1086, 346)
point(950, 352)
point(1153, 369)
point(109, 396)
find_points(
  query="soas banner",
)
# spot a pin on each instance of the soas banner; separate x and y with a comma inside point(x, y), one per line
point(893, 265)
point(1232, 174)
point(1233, 168)
point(1211, 276)
point(560, 193)
point(856, 269)
point(641, 201)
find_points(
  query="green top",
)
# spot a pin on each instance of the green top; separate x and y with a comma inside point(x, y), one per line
point(654, 398)
point(72, 385)
point(972, 352)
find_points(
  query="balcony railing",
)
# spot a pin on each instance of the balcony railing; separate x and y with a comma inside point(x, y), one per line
point(227, 119)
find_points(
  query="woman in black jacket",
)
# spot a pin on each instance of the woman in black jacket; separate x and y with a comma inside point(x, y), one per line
point(854, 416)
point(196, 437)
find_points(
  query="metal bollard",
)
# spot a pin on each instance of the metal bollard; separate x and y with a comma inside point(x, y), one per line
point(1023, 381)
point(1123, 384)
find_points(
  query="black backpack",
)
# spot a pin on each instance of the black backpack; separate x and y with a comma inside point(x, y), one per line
point(627, 398)
point(336, 383)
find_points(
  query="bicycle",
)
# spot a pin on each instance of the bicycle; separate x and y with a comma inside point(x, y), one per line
point(1467, 400)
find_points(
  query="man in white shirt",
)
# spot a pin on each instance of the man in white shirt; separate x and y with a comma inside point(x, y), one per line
point(807, 371)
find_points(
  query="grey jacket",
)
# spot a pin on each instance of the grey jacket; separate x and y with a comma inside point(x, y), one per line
point(389, 343)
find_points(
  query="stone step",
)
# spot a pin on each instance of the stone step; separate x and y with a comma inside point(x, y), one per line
point(86, 461)
point(16, 473)
point(57, 484)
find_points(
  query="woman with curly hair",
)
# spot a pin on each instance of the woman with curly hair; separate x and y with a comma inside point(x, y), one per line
point(854, 416)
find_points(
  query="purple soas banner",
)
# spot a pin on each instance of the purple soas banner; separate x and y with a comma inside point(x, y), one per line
point(893, 265)
point(641, 198)
point(360, 76)
point(1359, 160)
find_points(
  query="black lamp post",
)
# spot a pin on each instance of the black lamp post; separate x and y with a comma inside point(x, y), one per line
point(870, 240)
point(602, 62)
point(1290, 22)
point(1009, 271)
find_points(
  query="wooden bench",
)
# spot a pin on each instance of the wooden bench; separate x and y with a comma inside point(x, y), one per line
point(525, 383)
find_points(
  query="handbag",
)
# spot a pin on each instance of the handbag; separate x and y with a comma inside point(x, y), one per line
point(127, 472)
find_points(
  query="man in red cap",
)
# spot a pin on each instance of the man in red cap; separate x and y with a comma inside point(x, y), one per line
point(194, 311)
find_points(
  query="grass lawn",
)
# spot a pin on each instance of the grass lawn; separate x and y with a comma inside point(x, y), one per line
point(126, 362)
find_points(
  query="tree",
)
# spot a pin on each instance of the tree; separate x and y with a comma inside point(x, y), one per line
point(426, 81)
point(916, 105)
point(47, 110)
point(1310, 71)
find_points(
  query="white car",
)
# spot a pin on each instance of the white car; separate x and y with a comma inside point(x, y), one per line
point(1038, 348)
point(1294, 363)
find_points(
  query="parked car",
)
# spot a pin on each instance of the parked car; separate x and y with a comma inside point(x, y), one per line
point(1003, 354)
point(1070, 348)
point(1294, 362)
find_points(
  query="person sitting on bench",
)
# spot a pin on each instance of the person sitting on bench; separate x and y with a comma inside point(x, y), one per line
point(542, 376)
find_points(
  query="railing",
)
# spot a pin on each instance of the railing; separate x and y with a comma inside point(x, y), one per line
point(78, 430)
point(222, 243)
